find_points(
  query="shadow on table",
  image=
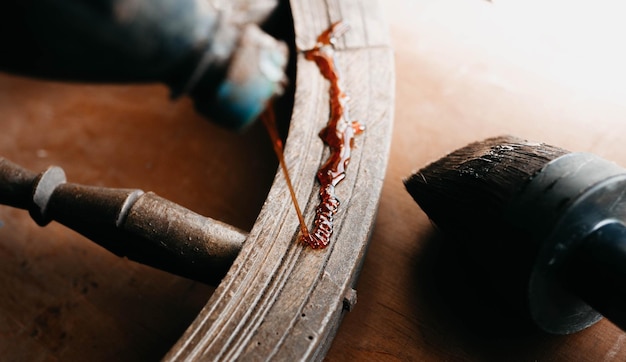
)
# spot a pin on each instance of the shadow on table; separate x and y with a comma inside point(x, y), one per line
point(463, 312)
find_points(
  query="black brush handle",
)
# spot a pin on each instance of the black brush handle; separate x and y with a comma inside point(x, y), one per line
point(141, 226)
point(596, 271)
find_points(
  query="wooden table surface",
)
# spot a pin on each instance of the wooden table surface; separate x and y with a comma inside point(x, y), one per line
point(466, 70)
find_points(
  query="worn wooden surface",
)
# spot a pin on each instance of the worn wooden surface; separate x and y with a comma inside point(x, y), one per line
point(280, 300)
point(466, 70)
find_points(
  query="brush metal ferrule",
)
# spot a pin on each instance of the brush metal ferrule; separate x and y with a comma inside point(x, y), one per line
point(561, 205)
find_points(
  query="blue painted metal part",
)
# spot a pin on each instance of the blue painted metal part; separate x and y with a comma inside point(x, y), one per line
point(190, 45)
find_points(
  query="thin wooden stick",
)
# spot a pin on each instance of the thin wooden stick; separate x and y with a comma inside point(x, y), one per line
point(269, 120)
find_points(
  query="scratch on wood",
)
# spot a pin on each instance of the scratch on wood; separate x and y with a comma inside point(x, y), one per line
point(617, 346)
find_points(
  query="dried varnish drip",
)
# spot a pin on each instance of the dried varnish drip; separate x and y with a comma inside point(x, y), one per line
point(473, 185)
point(338, 134)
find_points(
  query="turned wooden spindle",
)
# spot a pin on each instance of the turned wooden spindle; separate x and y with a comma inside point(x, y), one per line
point(128, 222)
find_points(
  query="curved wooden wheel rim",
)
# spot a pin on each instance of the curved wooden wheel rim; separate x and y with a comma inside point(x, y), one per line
point(279, 299)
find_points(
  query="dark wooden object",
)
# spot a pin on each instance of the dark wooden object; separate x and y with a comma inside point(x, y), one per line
point(128, 222)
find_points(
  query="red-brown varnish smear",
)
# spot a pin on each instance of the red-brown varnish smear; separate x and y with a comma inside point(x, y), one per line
point(338, 134)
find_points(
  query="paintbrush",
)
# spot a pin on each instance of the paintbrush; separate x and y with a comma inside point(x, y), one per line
point(547, 225)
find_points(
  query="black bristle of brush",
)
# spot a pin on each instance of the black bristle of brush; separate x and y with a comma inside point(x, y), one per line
point(470, 187)
point(466, 194)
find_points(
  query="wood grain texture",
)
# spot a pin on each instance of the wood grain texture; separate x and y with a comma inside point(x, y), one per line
point(281, 300)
